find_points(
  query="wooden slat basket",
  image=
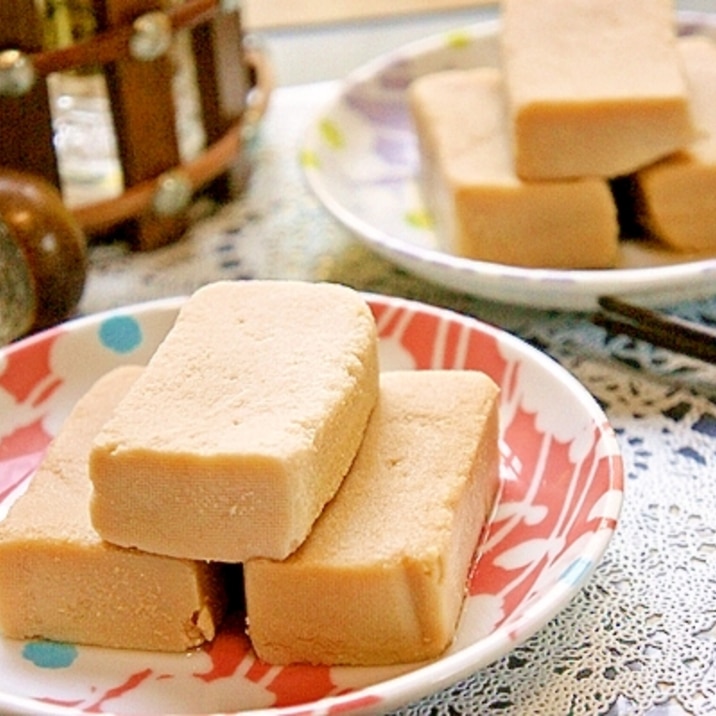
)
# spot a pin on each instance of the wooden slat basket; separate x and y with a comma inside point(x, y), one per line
point(132, 47)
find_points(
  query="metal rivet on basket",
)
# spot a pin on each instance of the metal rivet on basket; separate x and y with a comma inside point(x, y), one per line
point(229, 6)
point(17, 73)
point(151, 36)
point(173, 193)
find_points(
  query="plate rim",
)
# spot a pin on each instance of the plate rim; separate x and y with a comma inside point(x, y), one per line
point(548, 286)
point(434, 675)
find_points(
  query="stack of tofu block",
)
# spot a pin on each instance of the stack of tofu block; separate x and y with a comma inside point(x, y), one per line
point(519, 161)
point(260, 433)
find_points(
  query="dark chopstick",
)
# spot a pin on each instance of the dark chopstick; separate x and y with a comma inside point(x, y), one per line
point(659, 329)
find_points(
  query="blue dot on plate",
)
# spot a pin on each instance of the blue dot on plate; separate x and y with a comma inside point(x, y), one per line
point(121, 334)
point(576, 571)
point(50, 654)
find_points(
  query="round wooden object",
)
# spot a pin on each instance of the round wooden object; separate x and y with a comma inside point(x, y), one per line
point(51, 240)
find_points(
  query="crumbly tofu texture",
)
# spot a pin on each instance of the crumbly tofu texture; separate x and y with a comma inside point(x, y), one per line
point(60, 581)
point(595, 87)
point(482, 210)
point(243, 425)
point(381, 578)
point(677, 196)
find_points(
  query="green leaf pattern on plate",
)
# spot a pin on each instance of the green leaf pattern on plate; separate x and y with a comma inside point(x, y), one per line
point(459, 39)
point(309, 158)
point(332, 134)
point(419, 219)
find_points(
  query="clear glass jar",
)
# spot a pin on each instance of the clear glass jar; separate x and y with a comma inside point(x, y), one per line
point(85, 143)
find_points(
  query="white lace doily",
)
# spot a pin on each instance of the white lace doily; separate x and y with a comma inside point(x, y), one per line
point(641, 636)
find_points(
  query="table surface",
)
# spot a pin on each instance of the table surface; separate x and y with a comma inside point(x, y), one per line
point(641, 635)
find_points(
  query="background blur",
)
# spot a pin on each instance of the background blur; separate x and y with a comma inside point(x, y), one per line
point(302, 36)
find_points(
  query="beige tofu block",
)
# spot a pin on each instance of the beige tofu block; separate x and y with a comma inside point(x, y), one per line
point(60, 581)
point(596, 87)
point(481, 208)
point(677, 195)
point(243, 425)
point(381, 579)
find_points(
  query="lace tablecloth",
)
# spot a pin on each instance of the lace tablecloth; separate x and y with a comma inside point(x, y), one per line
point(641, 635)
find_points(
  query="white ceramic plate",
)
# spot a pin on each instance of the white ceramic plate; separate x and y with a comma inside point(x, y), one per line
point(561, 497)
point(360, 158)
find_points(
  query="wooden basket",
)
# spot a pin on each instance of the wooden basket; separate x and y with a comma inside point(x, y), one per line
point(130, 48)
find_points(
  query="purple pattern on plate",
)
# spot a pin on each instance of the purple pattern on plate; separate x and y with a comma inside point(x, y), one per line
point(394, 151)
point(397, 76)
point(381, 110)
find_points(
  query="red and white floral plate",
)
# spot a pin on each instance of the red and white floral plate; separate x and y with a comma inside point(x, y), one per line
point(561, 497)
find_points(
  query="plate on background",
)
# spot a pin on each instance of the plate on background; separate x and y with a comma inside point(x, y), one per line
point(562, 478)
point(360, 158)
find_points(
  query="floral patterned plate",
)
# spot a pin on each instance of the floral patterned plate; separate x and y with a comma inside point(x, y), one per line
point(360, 158)
point(559, 505)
